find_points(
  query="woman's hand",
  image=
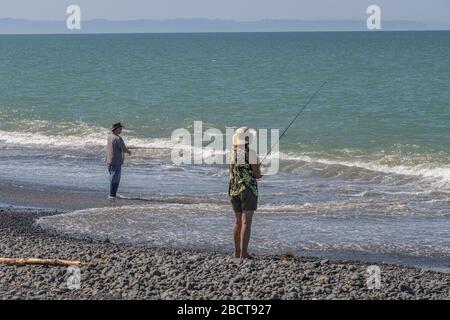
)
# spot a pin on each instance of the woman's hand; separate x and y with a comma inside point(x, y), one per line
point(256, 170)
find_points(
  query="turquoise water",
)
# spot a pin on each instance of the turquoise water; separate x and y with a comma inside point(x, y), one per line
point(375, 142)
point(385, 90)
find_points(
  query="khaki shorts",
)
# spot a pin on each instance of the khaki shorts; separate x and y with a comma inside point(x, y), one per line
point(245, 201)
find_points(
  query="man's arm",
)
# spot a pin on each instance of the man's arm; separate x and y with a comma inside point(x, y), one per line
point(124, 148)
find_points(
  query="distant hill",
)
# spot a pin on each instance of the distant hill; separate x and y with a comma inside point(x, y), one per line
point(20, 26)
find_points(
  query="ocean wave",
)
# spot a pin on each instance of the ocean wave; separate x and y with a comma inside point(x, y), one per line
point(77, 141)
point(438, 172)
point(346, 163)
point(171, 225)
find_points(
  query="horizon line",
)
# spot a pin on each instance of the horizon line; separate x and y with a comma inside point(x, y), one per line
point(74, 33)
point(227, 20)
point(18, 26)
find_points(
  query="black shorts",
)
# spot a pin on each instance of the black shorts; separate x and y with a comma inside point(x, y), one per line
point(245, 201)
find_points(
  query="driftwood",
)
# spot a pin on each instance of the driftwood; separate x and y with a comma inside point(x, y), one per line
point(45, 262)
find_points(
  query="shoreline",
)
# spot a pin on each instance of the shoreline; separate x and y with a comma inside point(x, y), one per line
point(30, 197)
point(118, 271)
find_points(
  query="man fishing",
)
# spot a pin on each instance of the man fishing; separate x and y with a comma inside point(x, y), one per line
point(115, 154)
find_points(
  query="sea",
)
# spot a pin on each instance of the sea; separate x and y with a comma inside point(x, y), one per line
point(364, 172)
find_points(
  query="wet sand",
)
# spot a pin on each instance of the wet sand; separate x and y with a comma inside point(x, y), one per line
point(45, 197)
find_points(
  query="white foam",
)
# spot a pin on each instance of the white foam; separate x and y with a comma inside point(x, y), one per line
point(208, 227)
point(95, 137)
point(81, 135)
point(37, 139)
point(77, 141)
point(441, 173)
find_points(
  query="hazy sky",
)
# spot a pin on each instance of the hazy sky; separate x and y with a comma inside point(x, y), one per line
point(430, 11)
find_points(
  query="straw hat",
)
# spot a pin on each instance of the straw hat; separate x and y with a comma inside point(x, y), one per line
point(242, 133)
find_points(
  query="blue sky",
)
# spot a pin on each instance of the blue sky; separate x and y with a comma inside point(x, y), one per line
point(429, 11)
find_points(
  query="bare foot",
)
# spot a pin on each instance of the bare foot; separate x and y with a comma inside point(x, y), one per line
point(237, 254)
point(247, 256)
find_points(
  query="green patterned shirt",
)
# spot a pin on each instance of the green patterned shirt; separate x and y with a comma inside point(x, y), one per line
point(241, 177)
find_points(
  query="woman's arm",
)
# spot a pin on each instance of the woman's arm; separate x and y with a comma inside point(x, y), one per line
point(256, 170)
point(254, 162)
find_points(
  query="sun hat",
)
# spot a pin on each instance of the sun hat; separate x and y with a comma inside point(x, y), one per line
point(242, 133)
point(116, 126)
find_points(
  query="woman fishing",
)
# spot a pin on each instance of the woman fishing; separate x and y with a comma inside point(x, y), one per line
point(243, 188)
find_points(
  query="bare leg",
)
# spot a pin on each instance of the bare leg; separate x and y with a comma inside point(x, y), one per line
point(237, 235)
point(247, 218)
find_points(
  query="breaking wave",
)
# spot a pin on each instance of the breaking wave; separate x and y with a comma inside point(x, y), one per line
point(346, 165)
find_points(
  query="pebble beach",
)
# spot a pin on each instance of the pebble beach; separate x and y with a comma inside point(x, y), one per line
point(113, 271)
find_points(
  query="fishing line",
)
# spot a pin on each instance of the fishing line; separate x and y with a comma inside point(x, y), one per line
point(293, 120)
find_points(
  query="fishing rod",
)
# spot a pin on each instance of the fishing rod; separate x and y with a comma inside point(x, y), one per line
point(293, 120)
point(149, 148)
